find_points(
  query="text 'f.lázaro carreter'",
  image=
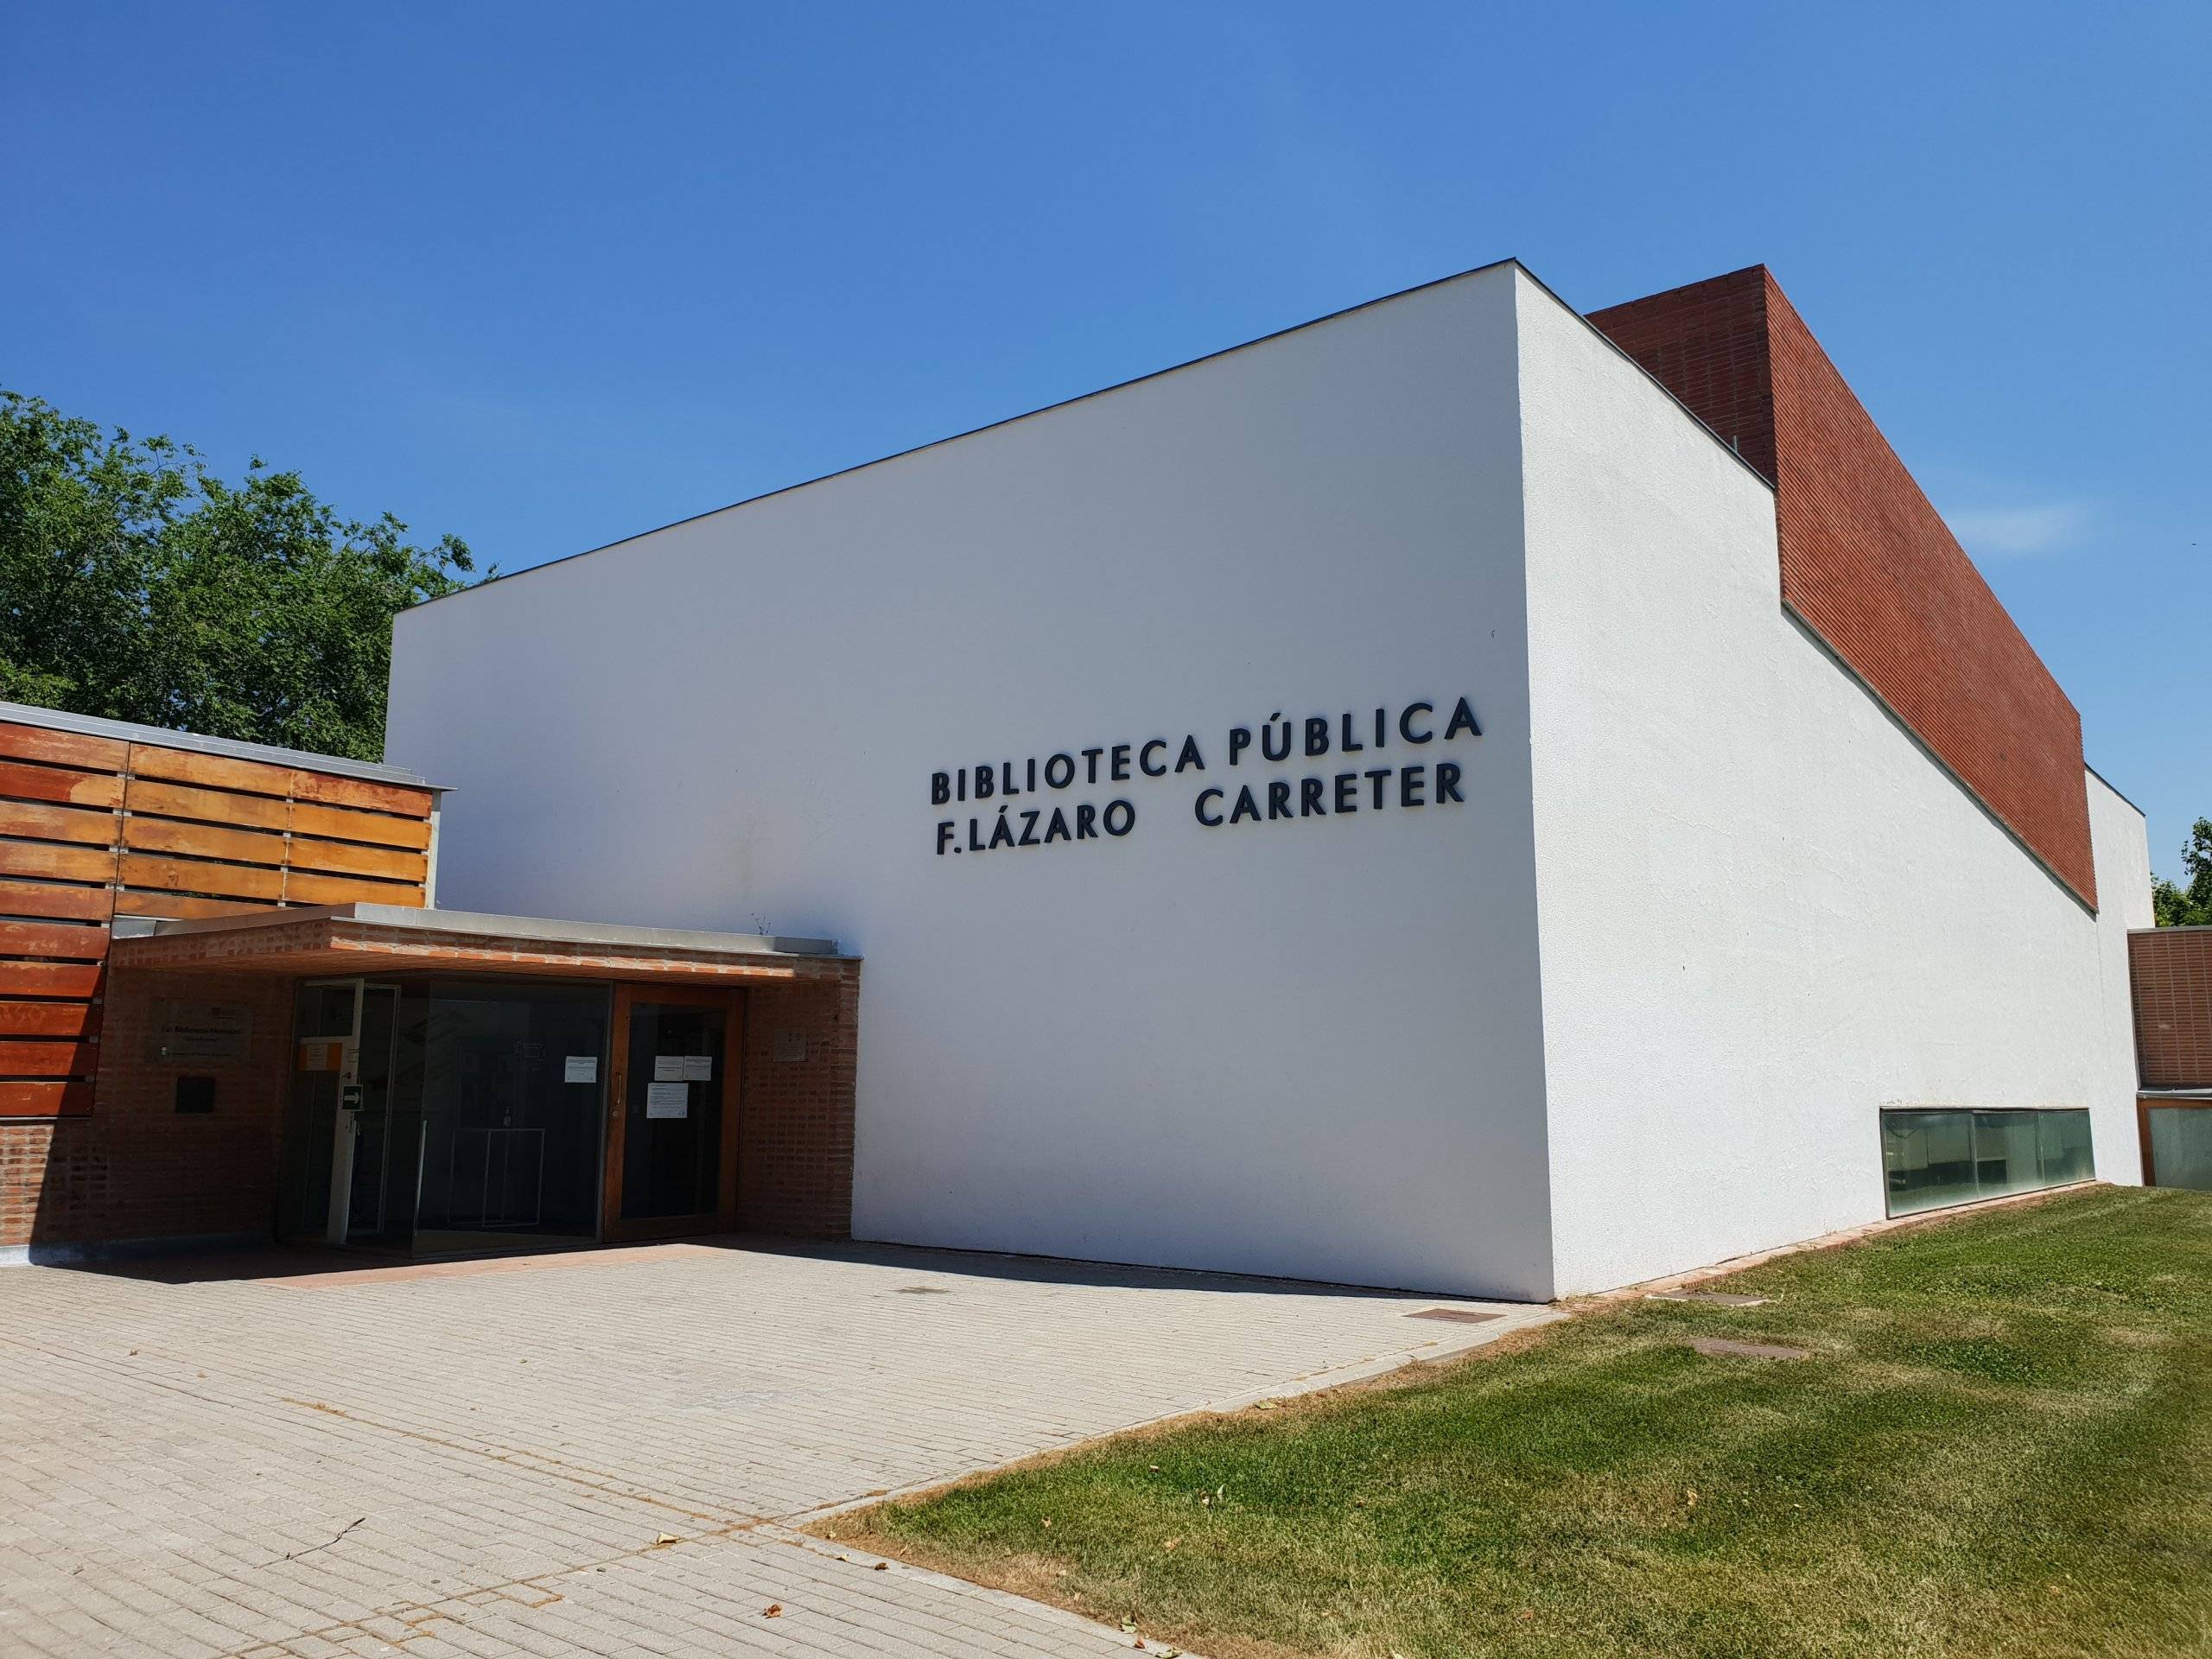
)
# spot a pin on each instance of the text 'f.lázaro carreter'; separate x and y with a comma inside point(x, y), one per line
point(1025, 803)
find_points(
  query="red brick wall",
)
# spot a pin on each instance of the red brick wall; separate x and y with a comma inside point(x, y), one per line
point(795, 1117)
point(2171, 969)
point(137, 1168)
point(1866, 560)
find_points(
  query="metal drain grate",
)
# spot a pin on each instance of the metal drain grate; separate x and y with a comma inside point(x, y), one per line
point(1455, 1315)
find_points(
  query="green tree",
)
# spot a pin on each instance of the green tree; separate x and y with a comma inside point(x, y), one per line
point(135, 585)
point(2188, 904)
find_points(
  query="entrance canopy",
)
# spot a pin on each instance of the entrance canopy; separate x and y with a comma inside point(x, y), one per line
point(384, 939)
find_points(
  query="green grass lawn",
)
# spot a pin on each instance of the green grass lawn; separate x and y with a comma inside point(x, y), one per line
point(2002, 1444)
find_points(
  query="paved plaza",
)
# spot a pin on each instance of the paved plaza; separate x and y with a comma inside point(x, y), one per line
point(599, 1452)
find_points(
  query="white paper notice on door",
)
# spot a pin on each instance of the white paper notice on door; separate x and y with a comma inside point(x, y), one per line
point(668, 1100)
point(668, 1068)
point(580, 1068)
point(698, 1068)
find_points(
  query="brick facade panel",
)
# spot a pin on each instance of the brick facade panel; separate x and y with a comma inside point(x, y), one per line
point(1867, 563)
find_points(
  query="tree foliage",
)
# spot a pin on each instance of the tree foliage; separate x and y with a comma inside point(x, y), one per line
point(136, 586)
point(2188, 903)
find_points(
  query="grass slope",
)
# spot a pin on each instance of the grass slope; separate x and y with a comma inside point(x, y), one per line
point(2002, 1445)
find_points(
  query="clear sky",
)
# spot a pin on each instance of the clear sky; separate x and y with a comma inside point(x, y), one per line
point(547, 274)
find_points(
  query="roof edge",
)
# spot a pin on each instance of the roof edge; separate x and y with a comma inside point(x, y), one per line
point(486, 924)
point(991, 426)
point(2111, 786)
point(131, 731)
point(1665, 391)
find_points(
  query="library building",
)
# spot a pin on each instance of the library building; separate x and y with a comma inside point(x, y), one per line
point(1458, 795)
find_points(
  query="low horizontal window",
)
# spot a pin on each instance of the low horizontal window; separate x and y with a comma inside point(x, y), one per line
point(1932, 1159)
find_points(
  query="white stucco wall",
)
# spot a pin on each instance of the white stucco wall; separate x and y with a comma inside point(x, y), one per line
point(2122, 842)
point(1308, 1047)
point(1766, 912)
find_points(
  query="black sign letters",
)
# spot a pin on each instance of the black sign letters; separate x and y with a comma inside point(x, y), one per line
point(1014, 804)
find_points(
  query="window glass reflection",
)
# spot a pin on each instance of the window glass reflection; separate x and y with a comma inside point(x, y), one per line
point(1931, 1159)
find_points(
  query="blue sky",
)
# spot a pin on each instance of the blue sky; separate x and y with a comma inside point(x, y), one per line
point(547, 274)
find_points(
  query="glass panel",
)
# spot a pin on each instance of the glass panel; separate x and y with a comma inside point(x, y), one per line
point(2181, 1146)
point(2007, 1153)
point(2065, 1147)
point(1928, 1159)
point(322, 1023)
point(671, 1140)
point(371, 1119)
point(1934, 1159)
point(507, 1078)
point(324, 1011)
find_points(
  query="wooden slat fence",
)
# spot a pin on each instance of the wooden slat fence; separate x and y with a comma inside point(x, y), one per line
point(92, 828)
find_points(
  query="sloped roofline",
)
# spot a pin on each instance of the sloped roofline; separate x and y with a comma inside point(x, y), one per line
point(1121, 385)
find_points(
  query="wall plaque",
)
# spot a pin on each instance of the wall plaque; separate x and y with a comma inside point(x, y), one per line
point(193, 1031)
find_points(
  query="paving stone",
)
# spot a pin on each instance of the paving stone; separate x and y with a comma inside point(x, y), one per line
point(1747, 1350)
point(1709, 1297)
point(478, 1463)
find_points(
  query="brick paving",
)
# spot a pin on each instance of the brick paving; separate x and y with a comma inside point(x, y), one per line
point(595, 1453)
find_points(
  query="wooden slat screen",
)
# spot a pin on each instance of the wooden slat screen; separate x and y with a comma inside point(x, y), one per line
point(91, 828)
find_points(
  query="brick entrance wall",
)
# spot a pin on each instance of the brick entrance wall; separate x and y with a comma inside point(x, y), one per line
point(136, 1168)
point(795, 1115)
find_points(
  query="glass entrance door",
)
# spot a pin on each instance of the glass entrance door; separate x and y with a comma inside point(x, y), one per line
point(503, 1078)
point(672, 1142)
point(337, 1150)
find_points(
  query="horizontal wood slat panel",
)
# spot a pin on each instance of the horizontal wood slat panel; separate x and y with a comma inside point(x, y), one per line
point(57, 862)
point(52, 898)
point(45, 1099)
point(188, 875)
point(210, 771)
point(76, 824)
point(202, 841)
point(49, 978)
point(48, 1020)
point(343, 824)
point(181, 906)
point(61, 783)
point(37, 1060)
point(302, 889)
point(220, 806)
point(63, 748)
point(333, 791)
point(53, 939)
point(386, 863)
point(91, 828)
